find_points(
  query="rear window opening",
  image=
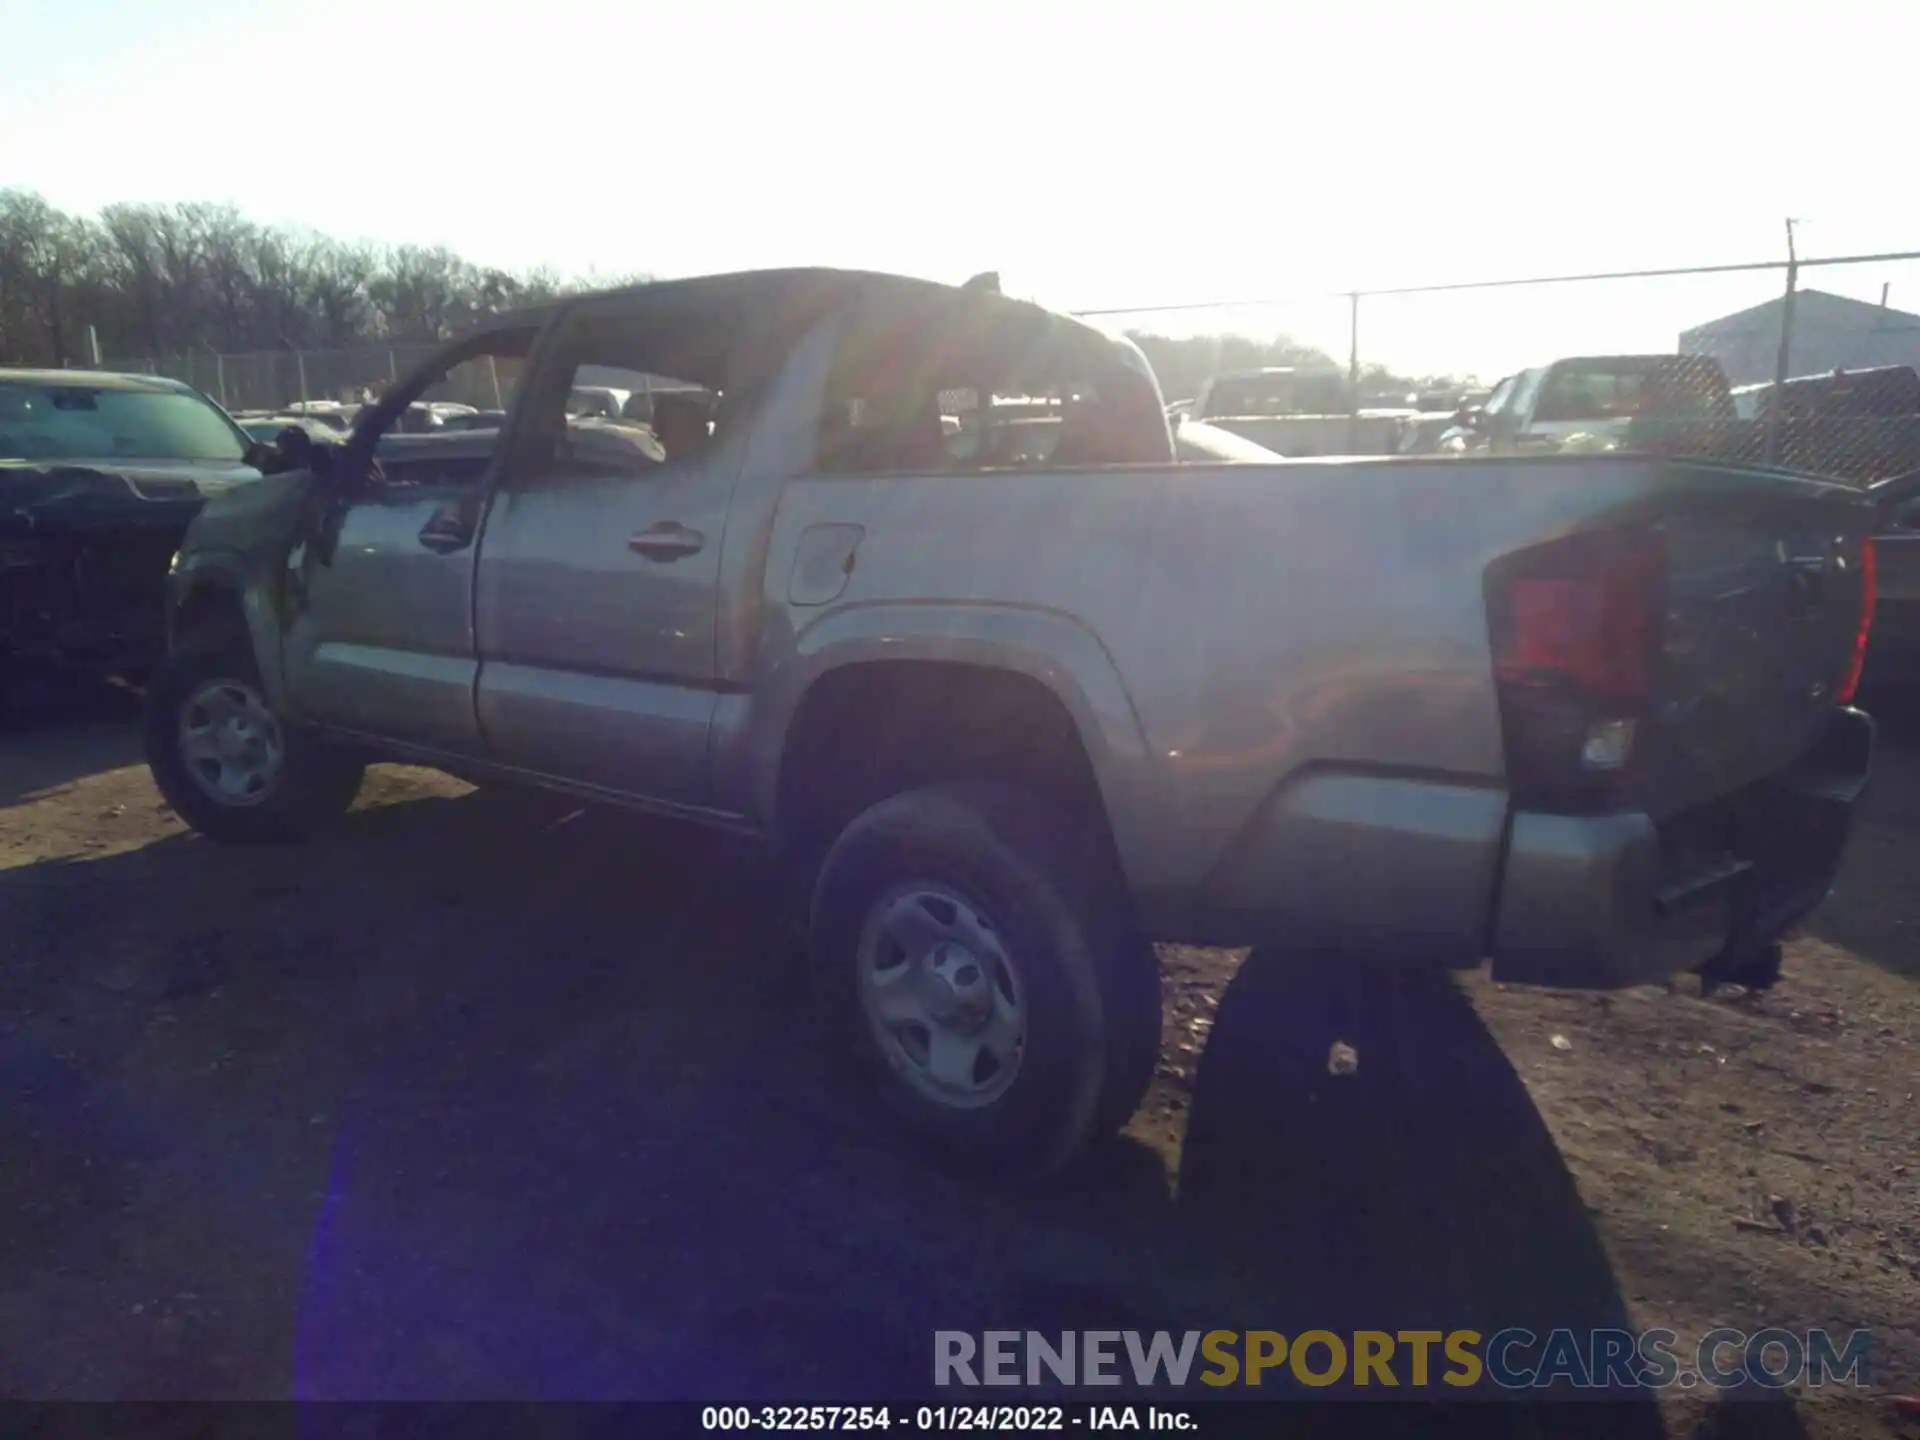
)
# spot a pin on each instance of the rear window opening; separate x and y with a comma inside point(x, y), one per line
point(1012, 431)
point(982, 384)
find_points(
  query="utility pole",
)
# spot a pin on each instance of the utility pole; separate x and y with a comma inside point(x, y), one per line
point(1353, 373)
point(219, 373)
point(1777, 402)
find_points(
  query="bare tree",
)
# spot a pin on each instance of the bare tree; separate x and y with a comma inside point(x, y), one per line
point(171, 281)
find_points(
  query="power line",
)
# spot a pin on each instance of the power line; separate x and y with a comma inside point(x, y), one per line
point(1885, 258)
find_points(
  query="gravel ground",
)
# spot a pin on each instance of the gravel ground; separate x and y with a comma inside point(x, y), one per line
point(480, 1096)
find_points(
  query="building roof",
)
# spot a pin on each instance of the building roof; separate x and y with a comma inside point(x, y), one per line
point(1765, 316)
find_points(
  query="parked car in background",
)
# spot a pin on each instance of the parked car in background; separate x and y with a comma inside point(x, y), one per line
point(478, 420)
point(448, 457)
point(1425, 431)
point(100, 475)
point(1598, 404)
point(336, 414)
point(420, 418)
point(1295, 412)
point(266, 426)
point(454, 457)
point(1860, 425)
point(602, 401)
point(1002, 727)
point(1880, 393)
point(1438, 402)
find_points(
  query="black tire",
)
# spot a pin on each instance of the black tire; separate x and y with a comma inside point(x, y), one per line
point(1133, 1039)
point(316, 782)
point(1091, 987)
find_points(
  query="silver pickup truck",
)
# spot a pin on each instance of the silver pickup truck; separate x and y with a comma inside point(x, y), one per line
point(1012, 701)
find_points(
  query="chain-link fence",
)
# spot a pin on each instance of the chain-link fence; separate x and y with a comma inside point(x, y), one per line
point(272, 379)
point(1808, 364)
point(1683, 362)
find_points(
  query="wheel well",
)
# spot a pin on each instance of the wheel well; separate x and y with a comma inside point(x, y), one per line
point(871, 730)
point(211, 606)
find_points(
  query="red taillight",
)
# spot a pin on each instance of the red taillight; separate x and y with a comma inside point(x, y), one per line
point(1580, 612)
point(1575, 626)
point(1869, 597)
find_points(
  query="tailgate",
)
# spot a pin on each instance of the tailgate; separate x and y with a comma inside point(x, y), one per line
point(1897, 567)
point(1763, 607)
point(1897, 544)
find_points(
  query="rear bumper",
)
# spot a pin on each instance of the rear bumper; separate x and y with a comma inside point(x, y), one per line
point(1603, 901)
point(1432, 873)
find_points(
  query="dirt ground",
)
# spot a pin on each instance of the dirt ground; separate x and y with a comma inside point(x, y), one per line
point(481, 1096)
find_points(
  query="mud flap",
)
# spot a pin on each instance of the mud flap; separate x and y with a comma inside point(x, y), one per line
point(1792, 832)
point(1746, 959)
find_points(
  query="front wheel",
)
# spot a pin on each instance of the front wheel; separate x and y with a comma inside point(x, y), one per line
point(226, 763)
point(973, 944)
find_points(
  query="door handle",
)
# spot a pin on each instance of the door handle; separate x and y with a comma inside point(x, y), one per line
point(668, 540)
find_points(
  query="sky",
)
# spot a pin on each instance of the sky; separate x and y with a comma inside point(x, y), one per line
point(1096, 155)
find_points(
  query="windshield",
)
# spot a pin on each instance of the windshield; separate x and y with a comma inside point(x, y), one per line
point(79, 422)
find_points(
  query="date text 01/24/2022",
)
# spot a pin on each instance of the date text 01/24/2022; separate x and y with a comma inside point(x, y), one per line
point(942, 1419)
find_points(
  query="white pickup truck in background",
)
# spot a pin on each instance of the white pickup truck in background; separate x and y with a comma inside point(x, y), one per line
point(1294, 412)
point(1600, 404)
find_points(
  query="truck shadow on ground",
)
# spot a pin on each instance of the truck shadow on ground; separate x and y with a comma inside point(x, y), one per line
point(487, 1098)
point(70, 730)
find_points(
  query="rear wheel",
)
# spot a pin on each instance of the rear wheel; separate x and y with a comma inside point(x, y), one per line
point(227, 764)
point(969, 942)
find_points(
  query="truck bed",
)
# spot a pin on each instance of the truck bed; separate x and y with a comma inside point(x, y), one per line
point(1268, 622)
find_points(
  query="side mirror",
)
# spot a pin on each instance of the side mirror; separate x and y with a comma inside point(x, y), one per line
point(296, 449)
point(292, 449)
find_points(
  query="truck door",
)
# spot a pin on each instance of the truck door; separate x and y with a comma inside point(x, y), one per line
point(379, 638)
point(598, 574)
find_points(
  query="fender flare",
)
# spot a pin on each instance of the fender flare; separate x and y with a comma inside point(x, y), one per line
point(1047, 646)
point(225, 571)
